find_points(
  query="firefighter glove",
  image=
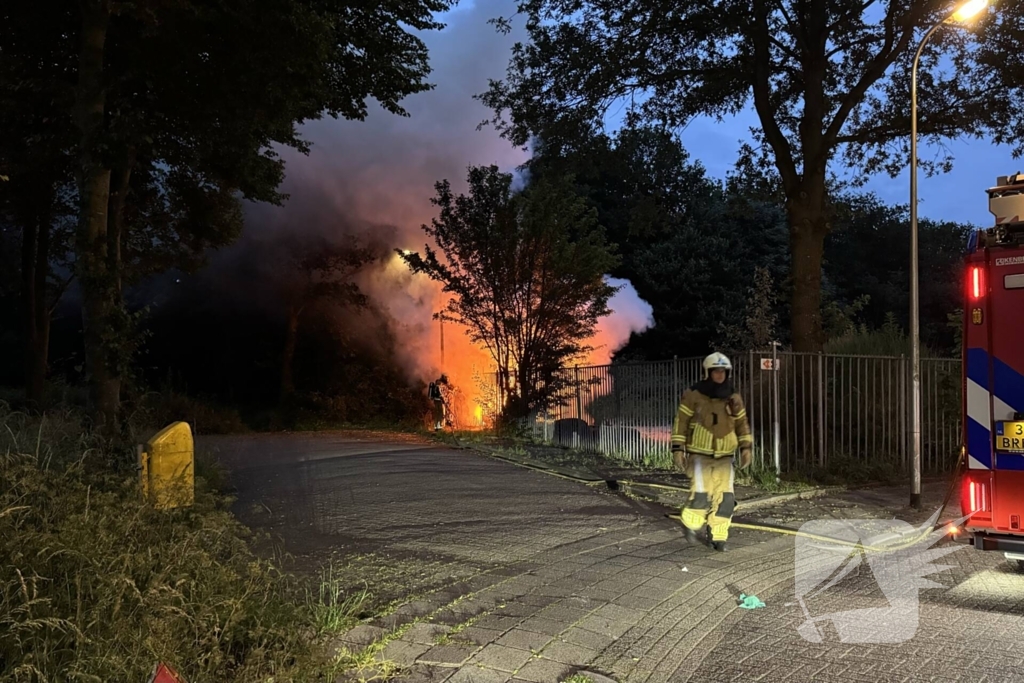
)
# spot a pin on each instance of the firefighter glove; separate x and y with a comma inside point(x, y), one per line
point(745, 458)
point(679, 457)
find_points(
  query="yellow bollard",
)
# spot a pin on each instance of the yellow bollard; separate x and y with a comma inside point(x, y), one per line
point(167, 467)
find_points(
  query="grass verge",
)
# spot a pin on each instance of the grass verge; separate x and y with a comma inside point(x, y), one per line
point(96, 586)
point(839, 471)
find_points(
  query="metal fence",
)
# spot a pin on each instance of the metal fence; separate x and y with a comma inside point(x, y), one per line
point(827, 406)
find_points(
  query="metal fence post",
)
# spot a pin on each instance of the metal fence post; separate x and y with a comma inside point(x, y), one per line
point(821, 409)
point(750, 372)
point(777, 436)
point(905, 440)
point(675, 379)
point(579, 397)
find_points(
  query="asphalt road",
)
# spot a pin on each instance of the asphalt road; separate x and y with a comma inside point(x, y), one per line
point(512, 574)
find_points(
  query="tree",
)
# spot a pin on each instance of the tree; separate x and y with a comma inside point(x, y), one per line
point(641, 181)
point(317, 270)
point(825, 77)
point(758, 328)
point(37, 200)
point(688, 246)
point(526, 274)
point(867, 257)
point(202, 92)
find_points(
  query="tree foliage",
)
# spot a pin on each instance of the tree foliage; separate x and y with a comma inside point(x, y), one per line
point(710, 257)
point(689, 244)
point(867, 257)
point(164, 115)
point(315, 271)
point(525, 272)
point(827, 79)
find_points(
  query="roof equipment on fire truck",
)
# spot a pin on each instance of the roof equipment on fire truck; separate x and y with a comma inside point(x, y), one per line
point(1006, 203)
point(1006, 200)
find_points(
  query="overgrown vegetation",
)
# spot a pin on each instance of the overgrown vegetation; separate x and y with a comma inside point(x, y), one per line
point(887, 340)
point(838, 471)
point(96, 586)
point(854, 472)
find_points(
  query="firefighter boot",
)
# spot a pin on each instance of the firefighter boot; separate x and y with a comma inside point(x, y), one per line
point(720, 546)
point(694, 516)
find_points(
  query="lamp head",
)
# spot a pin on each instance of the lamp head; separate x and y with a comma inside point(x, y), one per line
point(969, 10)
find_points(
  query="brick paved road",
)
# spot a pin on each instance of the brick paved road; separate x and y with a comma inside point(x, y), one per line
point(532, 577)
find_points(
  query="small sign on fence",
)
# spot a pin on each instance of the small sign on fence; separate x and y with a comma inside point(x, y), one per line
point(770, 363)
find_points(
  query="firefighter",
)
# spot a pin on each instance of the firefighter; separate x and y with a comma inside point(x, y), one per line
point(710, 426)
point(437, 399)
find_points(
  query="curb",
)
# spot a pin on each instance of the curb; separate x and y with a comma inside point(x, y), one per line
point(583, 477)
point(747, 504)
point(629, 486)
point(755, 503)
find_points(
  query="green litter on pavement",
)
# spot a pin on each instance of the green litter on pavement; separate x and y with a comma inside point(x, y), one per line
point(750, 601)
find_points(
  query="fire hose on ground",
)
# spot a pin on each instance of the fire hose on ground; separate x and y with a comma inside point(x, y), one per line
point(911, 540)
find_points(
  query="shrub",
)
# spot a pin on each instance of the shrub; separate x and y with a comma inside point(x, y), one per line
point(204, 416)
point(889, 340)
point(96, 586)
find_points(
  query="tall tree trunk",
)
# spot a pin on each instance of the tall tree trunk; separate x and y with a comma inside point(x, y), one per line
point(99, 304)
point(288, 356)
point(29, 295)
point(35, 269)
point(118, 195)
point(808, 226)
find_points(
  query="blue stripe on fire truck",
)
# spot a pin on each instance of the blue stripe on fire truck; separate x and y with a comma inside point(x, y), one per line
point(985, 408)
point(979, 411)
point(977, 367)
point(1009, 388)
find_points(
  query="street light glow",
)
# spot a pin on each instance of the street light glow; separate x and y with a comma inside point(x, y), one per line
point(969, 10)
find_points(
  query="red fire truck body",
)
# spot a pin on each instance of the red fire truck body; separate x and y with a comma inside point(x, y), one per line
point(993, 485)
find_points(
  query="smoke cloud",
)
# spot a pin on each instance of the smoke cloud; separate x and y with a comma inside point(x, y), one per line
point(375, 178)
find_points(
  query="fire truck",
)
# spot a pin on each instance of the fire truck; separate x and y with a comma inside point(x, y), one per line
point(992, 491)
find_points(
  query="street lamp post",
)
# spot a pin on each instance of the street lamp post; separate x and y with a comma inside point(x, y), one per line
point(962, 13)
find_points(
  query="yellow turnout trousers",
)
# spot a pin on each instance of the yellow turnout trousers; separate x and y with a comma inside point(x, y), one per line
point(711, 481)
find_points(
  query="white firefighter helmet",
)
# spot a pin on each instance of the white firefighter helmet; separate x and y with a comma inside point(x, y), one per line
point(716, 361)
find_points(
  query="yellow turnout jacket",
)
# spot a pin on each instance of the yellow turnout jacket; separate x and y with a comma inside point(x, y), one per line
point(711, 426)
